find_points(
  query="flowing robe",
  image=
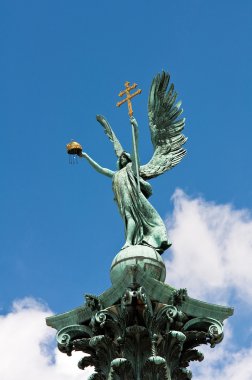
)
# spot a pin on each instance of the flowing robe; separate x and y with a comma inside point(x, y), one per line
point(148, 227)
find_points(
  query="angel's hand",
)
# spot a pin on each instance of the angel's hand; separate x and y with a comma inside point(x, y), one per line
point(83, 154)
point(133, 122)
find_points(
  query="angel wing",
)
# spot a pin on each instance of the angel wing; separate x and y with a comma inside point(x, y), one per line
point(165, 128)
point(109, 132)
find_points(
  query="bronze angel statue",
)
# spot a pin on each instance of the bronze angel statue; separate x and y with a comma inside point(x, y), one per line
point(143, 225)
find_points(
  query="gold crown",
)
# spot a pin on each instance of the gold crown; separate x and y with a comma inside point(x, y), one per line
point(74, 148)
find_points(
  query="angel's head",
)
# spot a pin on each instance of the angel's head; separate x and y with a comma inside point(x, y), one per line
point(123, 160)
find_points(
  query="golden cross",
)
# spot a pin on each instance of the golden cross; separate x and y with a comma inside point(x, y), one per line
point(128, 96)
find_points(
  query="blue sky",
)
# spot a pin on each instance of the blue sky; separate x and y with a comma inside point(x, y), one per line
point(64, 62)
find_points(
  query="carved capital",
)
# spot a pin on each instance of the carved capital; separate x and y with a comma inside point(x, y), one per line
point(138, 337)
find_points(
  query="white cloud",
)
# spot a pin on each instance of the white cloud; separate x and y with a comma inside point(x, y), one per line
point(212, 257)
point(237, 365)
point(211, 252)
point(225, 362)
point(25, 350)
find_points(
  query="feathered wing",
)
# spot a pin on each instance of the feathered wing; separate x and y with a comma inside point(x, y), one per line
point(109, 132)
point(165, 127)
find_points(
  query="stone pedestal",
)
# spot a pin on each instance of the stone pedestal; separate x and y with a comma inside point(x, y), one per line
point(140, 328)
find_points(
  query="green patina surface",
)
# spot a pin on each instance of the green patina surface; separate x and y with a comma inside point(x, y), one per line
point(145, 257)
point(140, 320)
point(143, 225)
point(138, 273)
point(141, 328)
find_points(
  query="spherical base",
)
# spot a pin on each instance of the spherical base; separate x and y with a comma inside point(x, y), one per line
point(146, 257)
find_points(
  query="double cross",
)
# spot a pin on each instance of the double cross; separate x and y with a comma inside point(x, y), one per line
point(129, 96)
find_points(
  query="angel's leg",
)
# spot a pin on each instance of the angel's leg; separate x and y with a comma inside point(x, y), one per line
point(129, 229)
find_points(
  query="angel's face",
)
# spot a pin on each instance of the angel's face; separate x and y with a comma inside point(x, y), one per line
point(123, 160)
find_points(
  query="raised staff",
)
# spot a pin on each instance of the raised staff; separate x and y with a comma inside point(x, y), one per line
point(128, 98)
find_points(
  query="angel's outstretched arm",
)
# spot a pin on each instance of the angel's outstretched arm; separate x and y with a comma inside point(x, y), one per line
point(135, 155)
point(97, 167)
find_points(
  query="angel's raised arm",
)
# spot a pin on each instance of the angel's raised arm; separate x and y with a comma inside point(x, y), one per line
point(97, 167)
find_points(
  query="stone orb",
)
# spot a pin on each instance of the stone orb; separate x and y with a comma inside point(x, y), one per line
point(146, 257)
